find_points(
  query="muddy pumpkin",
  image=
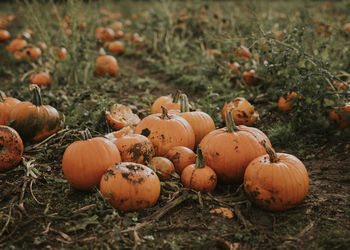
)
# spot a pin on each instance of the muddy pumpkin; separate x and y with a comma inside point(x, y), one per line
point(135, 148)
point(34, 121)
point(41, 79)
point(11, 148)
point(181, 157)
point(242, 111)
point(276, 181)
point(130, 186)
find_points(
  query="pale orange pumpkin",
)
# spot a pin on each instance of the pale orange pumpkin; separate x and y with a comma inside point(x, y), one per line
point(106, 64)
point(163, 167)
point(181, 157)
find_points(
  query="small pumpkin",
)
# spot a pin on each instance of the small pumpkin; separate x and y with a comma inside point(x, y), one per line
point(135, 148)
point(31, 52)
point(229, 150)
point(163, 166)
point(130, 186)
point(160, 101)
point(242, 111)
point(174, 105)
point(121, 116)
point(16, 45)
point(341, 116)
point(6, 106)
point(85, 161)
point(34, 121)
point(4, 35)
point(106, 64)
point(40, 79)
point(249, 77)
point(276, 181)
point(199, 176)
point(166, 131)
point(233, 67)
point(116, 47)
point(11, 148)
point(181, 157)
point(201, 122)
point(243, 52)
point(284, 104)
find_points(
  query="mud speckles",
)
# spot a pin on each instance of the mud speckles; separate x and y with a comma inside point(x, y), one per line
point(146, 132)
point(107, 173)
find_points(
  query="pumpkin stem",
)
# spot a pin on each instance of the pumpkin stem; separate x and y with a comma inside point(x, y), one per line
point(176, 96)
point(86, 134)
point(2, 99)
point(199, 159)
point(37, 100)
point(270, 151)
point(230, 123)
point(184, 105)
point(165, 113)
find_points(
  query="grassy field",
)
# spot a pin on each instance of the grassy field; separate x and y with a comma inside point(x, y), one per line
point(300, 46)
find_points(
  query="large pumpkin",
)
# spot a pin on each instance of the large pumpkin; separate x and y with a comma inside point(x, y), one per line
point(276, 181)
point(6, 106)
point(130, 186)
point(229, 150)
point(11, 148)
point(201, 122)
point(85, 161)
point(166, 131)
point(35, 121)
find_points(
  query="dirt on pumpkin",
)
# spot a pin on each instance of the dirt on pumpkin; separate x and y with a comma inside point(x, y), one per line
point(39, 209)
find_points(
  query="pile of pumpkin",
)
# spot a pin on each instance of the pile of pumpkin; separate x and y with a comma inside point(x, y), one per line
point(131, 160)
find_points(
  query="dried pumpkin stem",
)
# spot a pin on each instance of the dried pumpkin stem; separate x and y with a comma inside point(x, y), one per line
point(184, 105)
point(86, 134)
point(270, 151)
point(176, 96)
point(37, 99)
point(165, 113)
point(230, 123)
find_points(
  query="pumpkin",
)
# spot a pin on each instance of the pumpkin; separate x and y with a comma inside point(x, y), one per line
point(243, 52)
point(40, 79)
point(85, 161)
point(249, 77)
point(130, 186)
point(181, 157)
point(11, 148)
point(135, 148)
point(284, 104)
point(116, 47)
point(62, 52)
point(113, 136)
point(160, 101)
point(163, 167)
point(4, 35)
point(34, 121)
point(242, 111)
point(276, 181)
point(106, 65)
point(228, 151)
point(121, 116)
point(119, 34)
point(199, 176)
point(105, 34)
point(117, 25)
point(6, 106)
point(31, 52)
point(233, 67)
point(201, 122)
point(166, 131)
point(16, 45)
point(341, 116)
point(174, 105)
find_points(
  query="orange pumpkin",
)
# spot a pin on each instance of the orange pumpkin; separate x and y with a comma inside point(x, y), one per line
point(163, 166)
point(160, 101)
point(174, 105)
point(135, 148)
point(62, 53)
point(116, 47)
point(199, 176)
point(6, 106)
point(166, 131)
point(229, 150)
point(85, 161)
point(119, 34)
point(121, 116)
point(341, 116)
point(16, 45)
point(249, 77)
point(113, 136)
point(4, 35)
point(243, 52)
point(130, 186)
point(234, 67)
point(242, 111)
point(106, 65)
point(276, 181)
point(35, 121)
point(181, 157)
point(31, 52)
point(284, 104)
point(11, 148)
point(40, 79)
point(201, 122)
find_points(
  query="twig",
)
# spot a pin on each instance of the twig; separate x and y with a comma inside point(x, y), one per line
point(20, 203)
point(8, 217)
point(200, 200)
point(44, 141)
point(31, 191)
point(241, 218)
